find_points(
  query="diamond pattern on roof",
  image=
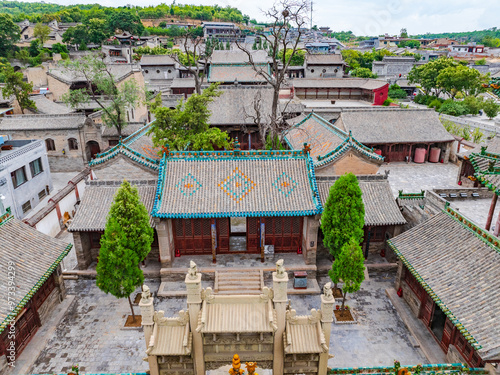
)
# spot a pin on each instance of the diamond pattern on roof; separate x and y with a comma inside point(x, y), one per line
point(285, 184)
point(188, 185)
point(237, 185)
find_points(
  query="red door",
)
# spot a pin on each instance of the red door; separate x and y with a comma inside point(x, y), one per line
point(223, 231)
point(26, 327)
point(447, 335)
point(253, 234)
point(193, 236)
point(285, 233)
point(427, 309)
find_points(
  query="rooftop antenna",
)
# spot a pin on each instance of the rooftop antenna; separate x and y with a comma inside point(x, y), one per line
point(311, 14)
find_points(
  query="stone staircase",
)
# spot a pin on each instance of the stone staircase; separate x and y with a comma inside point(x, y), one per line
point(239, 281)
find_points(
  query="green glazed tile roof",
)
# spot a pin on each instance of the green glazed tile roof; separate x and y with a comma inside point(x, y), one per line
point(32, 256)
point(458, 264)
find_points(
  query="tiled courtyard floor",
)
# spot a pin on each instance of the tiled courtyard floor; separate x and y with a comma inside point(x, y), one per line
point(412, 177)
point(90, 333)
point(477, 210)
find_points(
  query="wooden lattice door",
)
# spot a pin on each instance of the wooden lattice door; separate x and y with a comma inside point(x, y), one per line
point(223, 232)
point(253, 234)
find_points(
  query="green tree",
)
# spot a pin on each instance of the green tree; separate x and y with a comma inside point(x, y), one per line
point(427, 75)
point(187, 125)
point(97, 31)
point(396, 92)
point(459, 78)
point(481, 61)
point(296, 59)
point(403, 33)
point(349, 268)
point(363, 73)
point(41, 32)
point(59, 48)
point(76, 36)
point(15, 86)
point(23, 55)
point(125, 243)
point(491, 108)
point(125, 20)
point(344, 214)
point(473, 104)
point(9, 34)
point(103, 88)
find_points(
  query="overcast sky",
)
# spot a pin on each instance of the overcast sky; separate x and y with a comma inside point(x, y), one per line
point(369, 17)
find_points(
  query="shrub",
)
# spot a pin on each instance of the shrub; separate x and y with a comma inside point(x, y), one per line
point(465, 133)
point(397, 93)
point(436, 104)
point(473, 104)
point(491, 108)
point(64, 56)
point(452, 108)
point(477, 135)
point(387, 102)
point(419, 99)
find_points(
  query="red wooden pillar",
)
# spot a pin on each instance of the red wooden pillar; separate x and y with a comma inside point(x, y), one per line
point(491, 212)
point(427, 152)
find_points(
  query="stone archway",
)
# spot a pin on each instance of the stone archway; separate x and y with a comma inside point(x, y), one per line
point(92, 148)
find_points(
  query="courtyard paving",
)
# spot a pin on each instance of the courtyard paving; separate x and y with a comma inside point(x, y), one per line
point(477, 210)
point(413, 177)
point(90, 334)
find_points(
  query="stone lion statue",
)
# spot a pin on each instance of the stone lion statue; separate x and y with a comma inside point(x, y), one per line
point(193, 270)
point(280, 269)
point(327, 291)
point(146, 293)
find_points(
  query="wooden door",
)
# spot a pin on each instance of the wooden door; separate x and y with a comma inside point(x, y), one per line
point(253, 234)
point(223, 231)
point(285, 233)
point(26, 327)
point(427, 310)
point(193, 236)
point(447, 335)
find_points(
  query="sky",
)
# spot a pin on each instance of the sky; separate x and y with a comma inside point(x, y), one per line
point(368, 17)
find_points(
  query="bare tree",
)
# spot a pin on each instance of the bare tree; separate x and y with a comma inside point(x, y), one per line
point(197, 56)
point(288, 19)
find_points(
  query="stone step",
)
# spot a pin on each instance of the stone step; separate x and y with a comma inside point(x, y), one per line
point(70, 277)
point(243, 282)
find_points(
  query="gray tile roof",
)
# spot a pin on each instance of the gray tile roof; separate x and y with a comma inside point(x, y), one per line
point(42, 122)
point(377, 126)
point(324, 59)
point(35, 256)
point(155, 60)
point(363, 83)
point(183, 83)
point(119, 72)
point(380, 206)
point(138, 147)
point(459, 268)
point(214, 185)
point(230, 107)
point(94, 207)
point(235, 72)
point(327, 142)
point(49, 107)
point(237, 57)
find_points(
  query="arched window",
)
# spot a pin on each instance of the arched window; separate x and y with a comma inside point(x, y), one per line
point(50, 145)
point(72, 144)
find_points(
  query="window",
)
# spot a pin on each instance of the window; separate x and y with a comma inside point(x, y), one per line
point(72, 144)
point(42, 194)
point(26, 36)
point(50, 145)
point(26, 206)
point(157, 70)
point(146, 71)
point(324, 70)
point(18, 177)
point(169, 71)
point(36, 167)
point(312, 70)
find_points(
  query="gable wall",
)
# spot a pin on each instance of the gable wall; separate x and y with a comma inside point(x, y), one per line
point(351, 162)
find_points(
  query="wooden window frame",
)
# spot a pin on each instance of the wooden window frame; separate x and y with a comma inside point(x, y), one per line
point(32, 167)
point(14, 177)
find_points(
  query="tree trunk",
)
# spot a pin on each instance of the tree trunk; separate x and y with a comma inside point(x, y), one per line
point(131, 308)
point(343, 304)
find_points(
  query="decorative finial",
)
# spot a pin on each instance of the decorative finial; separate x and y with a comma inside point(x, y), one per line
point(327, 291)
point(193, 270)
point(483, 150)
point(306, 149)
point(236, 369)
point(250, 366)
point(280, 269)
point(146, 293)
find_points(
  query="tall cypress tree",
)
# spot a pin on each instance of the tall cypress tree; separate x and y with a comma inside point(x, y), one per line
point(349, 267)
point(344, 214)
point(126, 242)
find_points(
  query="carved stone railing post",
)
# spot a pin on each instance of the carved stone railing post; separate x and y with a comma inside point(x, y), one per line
point(193, 286)
point(280, 285)
point(327, 302)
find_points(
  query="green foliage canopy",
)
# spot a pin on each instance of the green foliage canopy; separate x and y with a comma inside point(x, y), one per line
point(9, 34)
point(344, 214)
point(187, 126)
point(15, 86)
